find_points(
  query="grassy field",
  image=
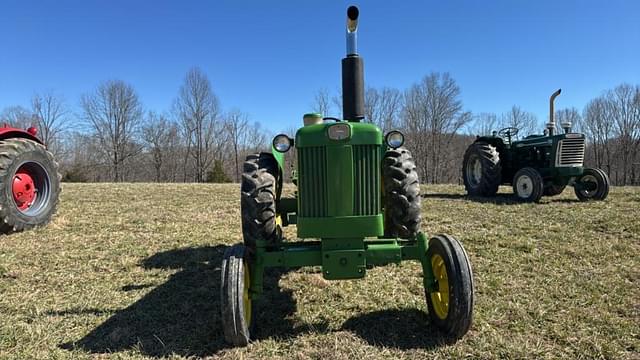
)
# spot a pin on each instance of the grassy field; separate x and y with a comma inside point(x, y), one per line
point(132, 271)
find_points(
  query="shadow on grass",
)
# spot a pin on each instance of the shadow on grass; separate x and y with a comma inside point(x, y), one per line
point(182, 316)
point(400, 328)
point(403, 329)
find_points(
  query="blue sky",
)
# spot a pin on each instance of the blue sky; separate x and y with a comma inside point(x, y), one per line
point(269, 58)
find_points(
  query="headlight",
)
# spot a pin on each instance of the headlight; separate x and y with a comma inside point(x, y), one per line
point(339, 132)
point(282, 143)
point(394, 139)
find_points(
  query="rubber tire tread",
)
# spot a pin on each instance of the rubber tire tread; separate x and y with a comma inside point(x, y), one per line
point(603, 185)
point(236, 330)
point(607, 182)
point(491, 169)
point(401, 194)
point(538, 184)
point(258, 199)
point(461, 287)
point(13, 152)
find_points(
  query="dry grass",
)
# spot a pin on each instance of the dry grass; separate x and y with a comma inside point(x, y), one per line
point(132, 271)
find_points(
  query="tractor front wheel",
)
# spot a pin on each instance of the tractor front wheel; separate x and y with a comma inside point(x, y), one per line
point(592, 185)
point(528, 185)
point(401, 194)
point(235, 301)
point(29, 185)
point(451, 305)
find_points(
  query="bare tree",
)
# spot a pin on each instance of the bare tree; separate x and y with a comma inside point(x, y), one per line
point(160, 137)
point(383, 107)
point(484, 124)
point(525, 121)
point(114, 113)
point(597, 127)
point(197, 107)
point(570, 115)
point(623, 104)
point(82, 160)
point(237, 125)
point(257, 139)
point(432, 115)
point(51, 118)
point(322, 102)
point(17, 116)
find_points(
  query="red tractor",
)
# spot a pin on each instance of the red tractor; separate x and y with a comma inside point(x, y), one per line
point(29, 180)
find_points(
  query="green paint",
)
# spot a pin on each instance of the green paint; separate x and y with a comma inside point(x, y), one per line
point(342, 226)
point(340, 180)
point(316, 135)
point(340, 258)
point(279, 157)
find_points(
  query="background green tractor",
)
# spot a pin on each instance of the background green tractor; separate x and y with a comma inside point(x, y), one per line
point(535, 166)
point(357, 206)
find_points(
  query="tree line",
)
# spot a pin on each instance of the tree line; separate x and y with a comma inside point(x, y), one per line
point(438, 129)
point(113, 137)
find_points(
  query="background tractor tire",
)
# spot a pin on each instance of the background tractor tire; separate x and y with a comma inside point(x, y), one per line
point(598, 178)
point(553, 189)
point(451, 307)
point(607, 182)
point(258, 199)
point(528, 185)
point(481, 170)
point(401, 194)
point(235, 304)
point(29, 185)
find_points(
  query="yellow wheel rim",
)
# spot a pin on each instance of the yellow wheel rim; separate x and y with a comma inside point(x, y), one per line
point(246, 301)
point(440, 298)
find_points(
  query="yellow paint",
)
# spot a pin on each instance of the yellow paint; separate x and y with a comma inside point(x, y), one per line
point(440, 298)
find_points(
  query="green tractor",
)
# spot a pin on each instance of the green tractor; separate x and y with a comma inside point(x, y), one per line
point(357, 206)
point(535, 166)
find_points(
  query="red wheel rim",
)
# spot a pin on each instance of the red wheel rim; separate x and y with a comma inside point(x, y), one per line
point(24, 189)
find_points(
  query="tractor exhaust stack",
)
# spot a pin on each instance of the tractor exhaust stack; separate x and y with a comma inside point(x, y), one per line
point(551, 125)
point(352, 72)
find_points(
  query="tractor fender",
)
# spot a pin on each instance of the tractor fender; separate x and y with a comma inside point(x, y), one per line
point(497, 142)
point(11, 133)
point(279, 157)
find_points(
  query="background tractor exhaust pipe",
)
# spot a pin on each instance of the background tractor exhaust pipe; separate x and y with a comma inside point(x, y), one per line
point(352, 72)
point(551, 125)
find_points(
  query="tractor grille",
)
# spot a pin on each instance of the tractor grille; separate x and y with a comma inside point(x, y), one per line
point(366, 171)
point(570, 152)
point(312, 181)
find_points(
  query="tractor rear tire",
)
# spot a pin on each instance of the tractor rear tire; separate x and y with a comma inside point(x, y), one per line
point(451, 306)
point(481, 170)
point(258, 199)
point(29, 185)
point(235, 304)
point(528, 185)
point(553, 189)
point(601, 181)
point(401, 194)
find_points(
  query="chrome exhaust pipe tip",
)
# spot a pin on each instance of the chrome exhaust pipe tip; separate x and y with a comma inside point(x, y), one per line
point(352, 30)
